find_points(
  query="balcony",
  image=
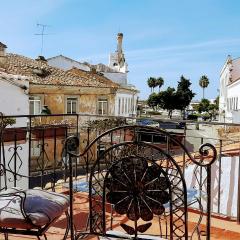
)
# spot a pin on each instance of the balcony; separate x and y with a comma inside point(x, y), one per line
point(33, 151)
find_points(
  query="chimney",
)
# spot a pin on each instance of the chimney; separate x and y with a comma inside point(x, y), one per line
point(93, 69)
point(119, 42)
point(41, 58)
point(2, 55)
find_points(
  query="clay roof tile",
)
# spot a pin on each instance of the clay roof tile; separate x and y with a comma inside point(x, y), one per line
point(41, 73)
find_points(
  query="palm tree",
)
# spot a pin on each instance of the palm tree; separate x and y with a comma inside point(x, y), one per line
point(151, 83)
point(203, 82)
point(160, 82)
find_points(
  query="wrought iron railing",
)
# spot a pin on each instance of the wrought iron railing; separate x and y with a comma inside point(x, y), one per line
point(34, 146)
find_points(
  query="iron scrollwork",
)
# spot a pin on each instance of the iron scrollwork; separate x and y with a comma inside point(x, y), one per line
point(137, 190)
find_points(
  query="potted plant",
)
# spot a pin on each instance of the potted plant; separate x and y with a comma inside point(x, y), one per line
point(10, 134)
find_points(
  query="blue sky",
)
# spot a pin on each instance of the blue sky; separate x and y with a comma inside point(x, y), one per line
point(161, 38)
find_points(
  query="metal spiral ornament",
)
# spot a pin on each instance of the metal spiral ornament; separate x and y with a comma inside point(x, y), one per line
point(209, 152)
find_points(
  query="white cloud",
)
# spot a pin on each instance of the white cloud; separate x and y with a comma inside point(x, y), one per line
point(212, 45)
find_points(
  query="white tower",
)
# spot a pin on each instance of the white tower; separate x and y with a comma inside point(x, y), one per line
point(117, 59)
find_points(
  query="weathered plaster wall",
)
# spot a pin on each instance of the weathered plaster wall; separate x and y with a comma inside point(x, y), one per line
point(55, 98)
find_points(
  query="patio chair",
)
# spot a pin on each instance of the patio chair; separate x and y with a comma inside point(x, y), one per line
point(144, 185)
point(27, 211)
point(31, 211)
point(139, 179)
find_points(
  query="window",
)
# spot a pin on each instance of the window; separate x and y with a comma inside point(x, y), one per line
point(125, 107)
point(100, 149)
point(119, 106)
point(35, 105)
point(72, 105)
point(134, 105)
point(129, 106)
point(102, 106)
point(122, 108)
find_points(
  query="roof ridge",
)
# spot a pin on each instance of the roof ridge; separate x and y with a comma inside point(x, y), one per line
point(60, 55)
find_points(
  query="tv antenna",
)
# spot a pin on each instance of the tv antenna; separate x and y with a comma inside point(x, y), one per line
point(42, 34)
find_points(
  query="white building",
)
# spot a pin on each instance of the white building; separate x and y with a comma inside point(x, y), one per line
point(66, 63)
point(116, 71)
point(14, 101)
point(229, 105)
point(13, 90)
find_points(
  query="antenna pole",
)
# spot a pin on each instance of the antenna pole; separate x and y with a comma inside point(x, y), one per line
point(43, 26)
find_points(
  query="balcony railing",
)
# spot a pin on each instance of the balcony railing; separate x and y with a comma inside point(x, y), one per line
point(33, 146)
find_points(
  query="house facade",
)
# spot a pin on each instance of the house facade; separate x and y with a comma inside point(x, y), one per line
point(229, 105)
point(116, 71)
point(63, 91)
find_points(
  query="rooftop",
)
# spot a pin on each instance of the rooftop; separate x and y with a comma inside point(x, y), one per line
point(17, 80)
point(3, 45)
point(41, 73)
point(92, 76)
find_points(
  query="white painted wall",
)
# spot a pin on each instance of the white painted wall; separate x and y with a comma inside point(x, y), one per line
point(230, 91)
point(125, 104)
point(14, 101)
point(113, 63)
point(66, 63)
point(228, 186)
point(224, 79)
point(233, 94)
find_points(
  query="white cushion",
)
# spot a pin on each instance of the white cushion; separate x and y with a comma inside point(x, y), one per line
point(40, 206)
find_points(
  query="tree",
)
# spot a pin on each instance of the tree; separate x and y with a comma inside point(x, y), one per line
point(204, 82)
point(204, 105)
point(171, 99)
point(213, 108)
point(159, 82)
point(184, 94)
point(216, 102)
point(153, 100)
point(167, 100)
point(151, 83)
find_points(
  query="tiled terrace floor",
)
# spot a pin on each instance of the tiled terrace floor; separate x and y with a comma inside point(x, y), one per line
point(221, 229)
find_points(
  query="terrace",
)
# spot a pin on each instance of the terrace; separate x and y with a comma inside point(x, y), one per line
point(35, 155)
